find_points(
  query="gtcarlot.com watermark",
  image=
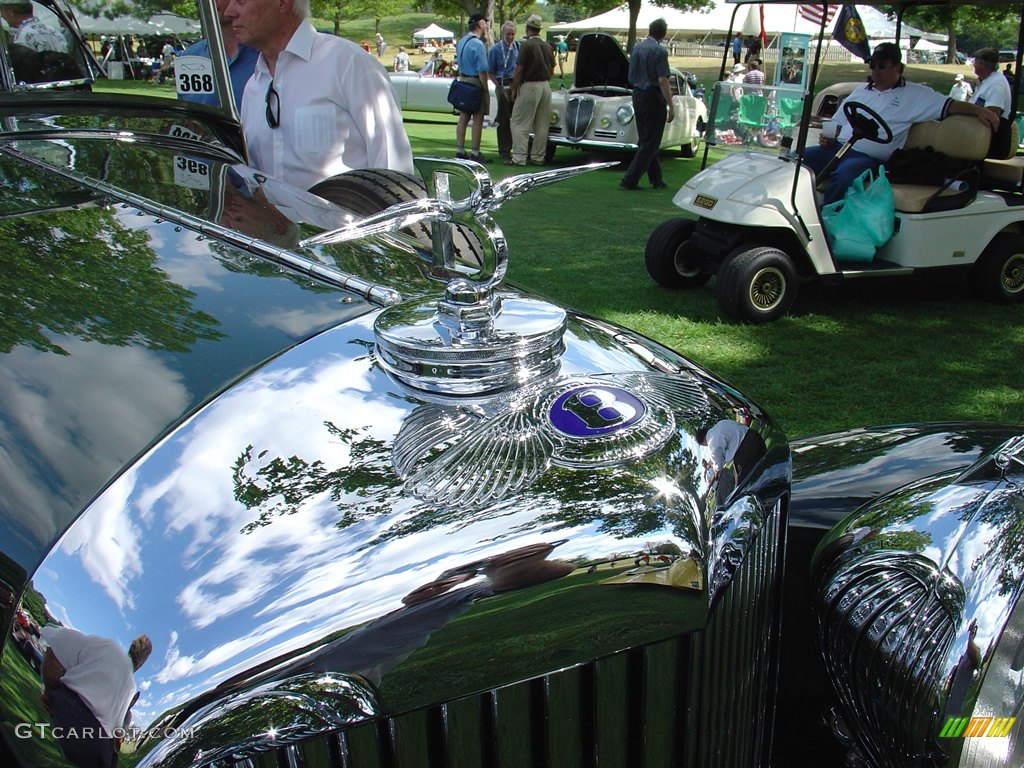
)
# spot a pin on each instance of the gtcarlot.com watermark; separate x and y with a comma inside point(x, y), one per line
point(42, 730)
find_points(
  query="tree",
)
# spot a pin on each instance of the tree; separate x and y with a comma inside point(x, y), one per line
point(682, 5)
point(949, 18)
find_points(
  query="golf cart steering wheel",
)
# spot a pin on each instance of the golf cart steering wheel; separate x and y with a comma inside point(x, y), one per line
point(866, 123)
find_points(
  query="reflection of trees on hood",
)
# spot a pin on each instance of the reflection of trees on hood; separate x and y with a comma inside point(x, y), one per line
point(81, 273)
point(367, 486)
point(1004, 510)
point(844, 451)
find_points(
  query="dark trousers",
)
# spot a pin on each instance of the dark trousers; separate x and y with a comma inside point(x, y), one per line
point(504, 119)
point(81, 736)
point(852, 165)
point(651, 113)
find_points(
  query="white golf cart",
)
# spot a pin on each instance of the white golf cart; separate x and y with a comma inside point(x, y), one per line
point(754, 217)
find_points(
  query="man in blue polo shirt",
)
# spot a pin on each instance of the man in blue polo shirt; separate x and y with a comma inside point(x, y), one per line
point(652, 105)
point(501, 62)
point(473, 68)
point(241, 60)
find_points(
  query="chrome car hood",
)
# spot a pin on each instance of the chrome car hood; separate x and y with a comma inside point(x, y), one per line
point(600, 61)
point(331, 513)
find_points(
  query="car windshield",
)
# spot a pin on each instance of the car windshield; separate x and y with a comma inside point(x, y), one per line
point(743, 116)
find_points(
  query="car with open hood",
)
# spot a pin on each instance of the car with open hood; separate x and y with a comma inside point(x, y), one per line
point(596, 113)
point(375, 507)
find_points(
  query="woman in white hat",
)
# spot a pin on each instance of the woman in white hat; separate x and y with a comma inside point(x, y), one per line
point(737, 77)
point(961, 90)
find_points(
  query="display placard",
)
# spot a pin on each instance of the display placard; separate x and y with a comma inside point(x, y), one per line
point(791, 69)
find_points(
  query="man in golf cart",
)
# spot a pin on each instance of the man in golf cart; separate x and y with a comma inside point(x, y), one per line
point(900, 104)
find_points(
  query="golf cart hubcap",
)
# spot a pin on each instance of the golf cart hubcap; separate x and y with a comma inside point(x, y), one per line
point(684, 262)
point(1013, 274)
point(767, 288)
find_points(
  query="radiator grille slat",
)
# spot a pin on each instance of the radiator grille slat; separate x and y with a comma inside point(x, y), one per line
point(513, 727)
point(468, 739)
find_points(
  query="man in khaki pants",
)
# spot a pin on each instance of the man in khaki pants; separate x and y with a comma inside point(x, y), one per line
point(531, 96)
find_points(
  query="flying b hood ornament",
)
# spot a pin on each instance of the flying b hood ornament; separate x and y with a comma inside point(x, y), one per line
point(475, 340)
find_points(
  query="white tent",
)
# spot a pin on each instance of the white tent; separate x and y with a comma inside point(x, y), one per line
point(158, 24)
point(433, 32)
point(777, 18)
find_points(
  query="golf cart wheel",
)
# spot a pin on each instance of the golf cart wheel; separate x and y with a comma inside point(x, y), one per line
point(756, 285)
point(670, 258)
point(365, 192)
point(999, 272)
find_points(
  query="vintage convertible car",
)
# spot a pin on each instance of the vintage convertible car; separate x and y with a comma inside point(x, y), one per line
point(373, 507)
point(597, 112)
point(425, 92)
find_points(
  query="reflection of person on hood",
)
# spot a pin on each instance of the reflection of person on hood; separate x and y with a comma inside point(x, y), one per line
point(89, 691)
point(733, 449)
point(963, 675)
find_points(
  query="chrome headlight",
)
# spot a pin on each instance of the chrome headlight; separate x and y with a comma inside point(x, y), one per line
point(554, 117)
point(624, 114)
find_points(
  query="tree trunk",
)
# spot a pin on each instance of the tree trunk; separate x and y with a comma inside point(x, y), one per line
point(634, 13)
point(951, 46)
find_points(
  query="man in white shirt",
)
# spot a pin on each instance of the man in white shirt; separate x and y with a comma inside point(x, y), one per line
point(316, 106)
point(88, 690)
point(900, 104)
point(961, 90)
point(29, 31)
point(993, 90)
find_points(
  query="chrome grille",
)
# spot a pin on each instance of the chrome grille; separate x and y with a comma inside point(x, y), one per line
point(738, 658)
point(579, 114)
point(873, 610)
point(702, 701)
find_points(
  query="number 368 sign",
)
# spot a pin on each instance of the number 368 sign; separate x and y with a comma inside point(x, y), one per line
point(193, 75)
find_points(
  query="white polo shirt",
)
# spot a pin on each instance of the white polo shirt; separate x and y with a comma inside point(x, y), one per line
point(98, 670)
point(338, 112)
point(994, 91)
point(900, 107)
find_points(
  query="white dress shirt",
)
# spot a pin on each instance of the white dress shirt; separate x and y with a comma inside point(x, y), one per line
point(338, 112)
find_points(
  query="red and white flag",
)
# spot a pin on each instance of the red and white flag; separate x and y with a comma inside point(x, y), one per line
point(814, 13)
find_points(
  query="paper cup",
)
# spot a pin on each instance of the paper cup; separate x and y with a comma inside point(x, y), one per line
point(829, 129)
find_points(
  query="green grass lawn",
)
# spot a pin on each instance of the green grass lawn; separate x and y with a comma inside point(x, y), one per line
point(864, 353)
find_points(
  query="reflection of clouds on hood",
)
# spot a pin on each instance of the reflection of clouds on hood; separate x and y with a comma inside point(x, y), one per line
point(197, 496)
point(79, 417)
point(107, 542)
point(296, 323)
point(206, 273)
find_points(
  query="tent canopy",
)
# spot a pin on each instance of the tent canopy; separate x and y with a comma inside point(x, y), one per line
point(717, 19)
point(433, 32)
point(158, 24)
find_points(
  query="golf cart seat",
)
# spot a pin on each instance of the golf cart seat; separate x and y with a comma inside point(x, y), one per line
point(960, 137)
point(1005, 171)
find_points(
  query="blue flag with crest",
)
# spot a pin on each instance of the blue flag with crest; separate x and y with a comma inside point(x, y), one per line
point(849, 32)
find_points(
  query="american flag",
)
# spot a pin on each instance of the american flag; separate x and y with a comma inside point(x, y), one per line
point(814, 13)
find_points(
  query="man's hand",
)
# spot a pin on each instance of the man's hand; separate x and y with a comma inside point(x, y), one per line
point(988, 117)
point(671, 113)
